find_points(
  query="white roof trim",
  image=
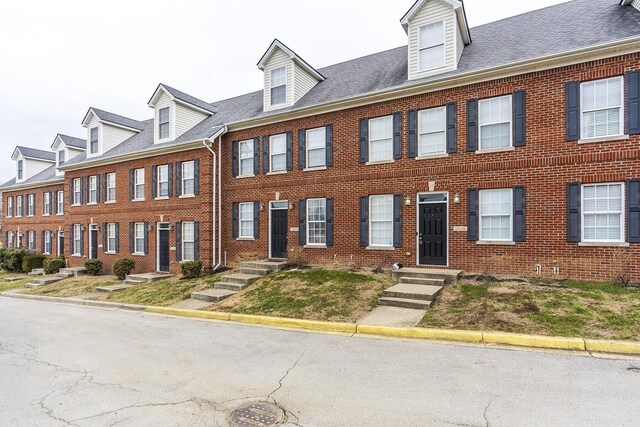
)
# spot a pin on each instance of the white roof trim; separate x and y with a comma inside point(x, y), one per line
point(457, 5)
point(294, 56)
point(86, 120)
point(57, 141)
point(16, 152)
point(161, 89)
point(87, 117)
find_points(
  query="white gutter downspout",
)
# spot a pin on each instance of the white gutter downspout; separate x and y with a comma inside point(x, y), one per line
point(217, 167)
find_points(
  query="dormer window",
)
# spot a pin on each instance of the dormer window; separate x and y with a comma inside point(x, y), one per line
point(163, 123)
point(93, 143)
point(61, 157)
point(432, 46)
point(279, 86)
point(20, 170)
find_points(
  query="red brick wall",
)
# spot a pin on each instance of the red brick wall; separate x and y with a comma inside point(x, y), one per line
point(545, 165)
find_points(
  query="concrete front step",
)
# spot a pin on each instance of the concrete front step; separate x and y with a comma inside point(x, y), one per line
point(33, 285)
point(405, 303)
point(114, 288)
point(255, 271)
point(267, 265)
point(235, 287)
point(212, 295)
point(148, 277)
point(47, 280)
point(64, 275)
point(134, 282)
point(449, 276)
point(414, 292)
point(14, 279)
point(422, 281)
point(240, 278)
point(75, 271)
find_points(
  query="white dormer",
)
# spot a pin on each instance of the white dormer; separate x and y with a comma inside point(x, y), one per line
point(107, 130)
point(287, 77)
point(66, 148)
point(175, 113)
point(438, 32)
point(30, 162)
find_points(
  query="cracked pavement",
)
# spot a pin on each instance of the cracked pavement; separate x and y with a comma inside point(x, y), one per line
point(63, 365)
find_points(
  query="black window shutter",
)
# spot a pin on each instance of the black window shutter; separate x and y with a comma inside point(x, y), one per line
point(301, 148)
point(256, 156)
point(302, 222)
point(412, 133)
point(54, 203)
point(196, 176)
point(105, 231)
point(235, 208)
point(265, 154)
point(131, 185)
point(364, 221)
point(289, 151)
point(472, 125)
point(178, 178)
point(329, 222)
point(633, 102)
point(473, 216)
point(72, 240)
point(574, 220)
point(256, 220)
point(87, 189)
point(196, 241)
point(146, 238)
point(364, 140)
point(105, 183)
point(131, 239)
point(633, 211)
point(452, 127)
point(42, 241)
point(117, 248)
point(98, 187)
point(573, 110)
point(329, 145)
point(70, 191)
point(154, 181)
point(235, 165)
point(178, 241)
point(82, 240)
point(397, 136)
point(519, 118)
point(397, 220)
point(519, 214)
point(83, 187)
point(170, 179)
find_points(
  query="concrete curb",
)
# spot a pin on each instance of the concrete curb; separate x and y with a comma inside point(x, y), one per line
point(88, 303)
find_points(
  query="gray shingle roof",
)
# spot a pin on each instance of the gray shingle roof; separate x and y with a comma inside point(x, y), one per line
point(189, 99)
point(71, 141)
point(48, 156)
point(43, 177)
point(117, 119)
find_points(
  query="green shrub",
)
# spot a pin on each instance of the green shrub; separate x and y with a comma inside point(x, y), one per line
point(53, 265)
point(31, 262)
point(93, 266)
point(123, 266)
point(191, 269)
point(11, 259)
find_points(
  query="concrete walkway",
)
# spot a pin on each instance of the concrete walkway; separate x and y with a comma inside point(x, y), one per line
point(393, 316)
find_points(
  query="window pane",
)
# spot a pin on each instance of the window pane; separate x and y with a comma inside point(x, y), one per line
point(432, 34)
point(316, 157)
point(316, 138)
point(278, 149)
point(381, 128)
point(246, 167)
point(278, 76)
point(496, 214)
point(381, 219)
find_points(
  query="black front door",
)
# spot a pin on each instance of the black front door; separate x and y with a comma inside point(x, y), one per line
point(163, 250)
point(432, 237)
point(94, 243)
point(60, 243)
point(279, 226)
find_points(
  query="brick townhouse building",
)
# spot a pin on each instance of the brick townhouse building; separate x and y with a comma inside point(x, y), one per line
point(513, 147)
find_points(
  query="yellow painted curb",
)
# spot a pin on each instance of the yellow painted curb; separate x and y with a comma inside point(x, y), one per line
point(538, 341)
point(422, 333)
point(619, 347)
point(294, 323)
point(188, 313)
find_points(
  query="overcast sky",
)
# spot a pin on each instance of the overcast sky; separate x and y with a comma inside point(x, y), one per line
point(58, 58)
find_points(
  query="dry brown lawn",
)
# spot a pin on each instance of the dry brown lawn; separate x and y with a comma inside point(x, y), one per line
point(73, 286)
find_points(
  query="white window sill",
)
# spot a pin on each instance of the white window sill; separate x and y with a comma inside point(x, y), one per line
point(109, 202)
point(92, 203)
point(603, 139)
point(46, 214)
point(315, 168)
point(186, 260)
point(496, 242)
point(76, 255)
point(433, 156)
point(245, 176)
point(137, 200)
point(29, 216)
point(380, 162)
point(380, 248)
point(138, 254)
point(604, 244)
point(60, 214)
point(110, 253)
point(9, 217)
point(245, 239)
point(496, 150)
point(76, 204)
point(315, 246)
point(46, 253)
point(187, 196)
point(276, 173)
point(162, 198)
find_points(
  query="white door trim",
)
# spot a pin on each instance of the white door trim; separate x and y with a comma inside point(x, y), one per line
point(446, 193)
point(93, 227)
point(272, 209)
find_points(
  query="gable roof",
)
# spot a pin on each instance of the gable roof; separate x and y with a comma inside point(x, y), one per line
point(70, 141)
point(277, 44)
point(181, 97)
point(113, 119)
point(46, 177)
point(34, 153)
point(458, 7)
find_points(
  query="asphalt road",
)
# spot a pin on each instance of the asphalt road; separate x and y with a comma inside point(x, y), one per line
point(72, 365)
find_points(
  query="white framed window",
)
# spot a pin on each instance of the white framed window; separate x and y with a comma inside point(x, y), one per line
point(316, 146)
point(32, 240)
point(9, 207)
point(46, 210)
point(60, 210)
point(495, 122)
point(188, 241)
point(279, 85)
point(381, 220)
point(188, 178)
point(278, 152)
point(93, 189)
point(20, 239)
point(381, 139)
point(19, 206)
point(138, 184)
point(317, 221)
point(61, 157)
point(432, 126)
point(432, 46)
point(77, 191)
point(246, 157)
point(31, 205)
point(20, 170)
point(10, 239)
point(47, 242)
point(111, 237)
point(163, 123)
point(77, 239)
point(602, 108)
point(163, 181)
point(246, 220)
point(496, 210)
point(603, 208)
point(111, 187)
point(93, 141)
point(139, 233)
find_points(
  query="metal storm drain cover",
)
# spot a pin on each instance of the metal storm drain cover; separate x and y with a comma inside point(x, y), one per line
point(259, 414)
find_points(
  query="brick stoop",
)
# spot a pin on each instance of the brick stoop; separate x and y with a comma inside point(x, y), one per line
point(417, 287)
